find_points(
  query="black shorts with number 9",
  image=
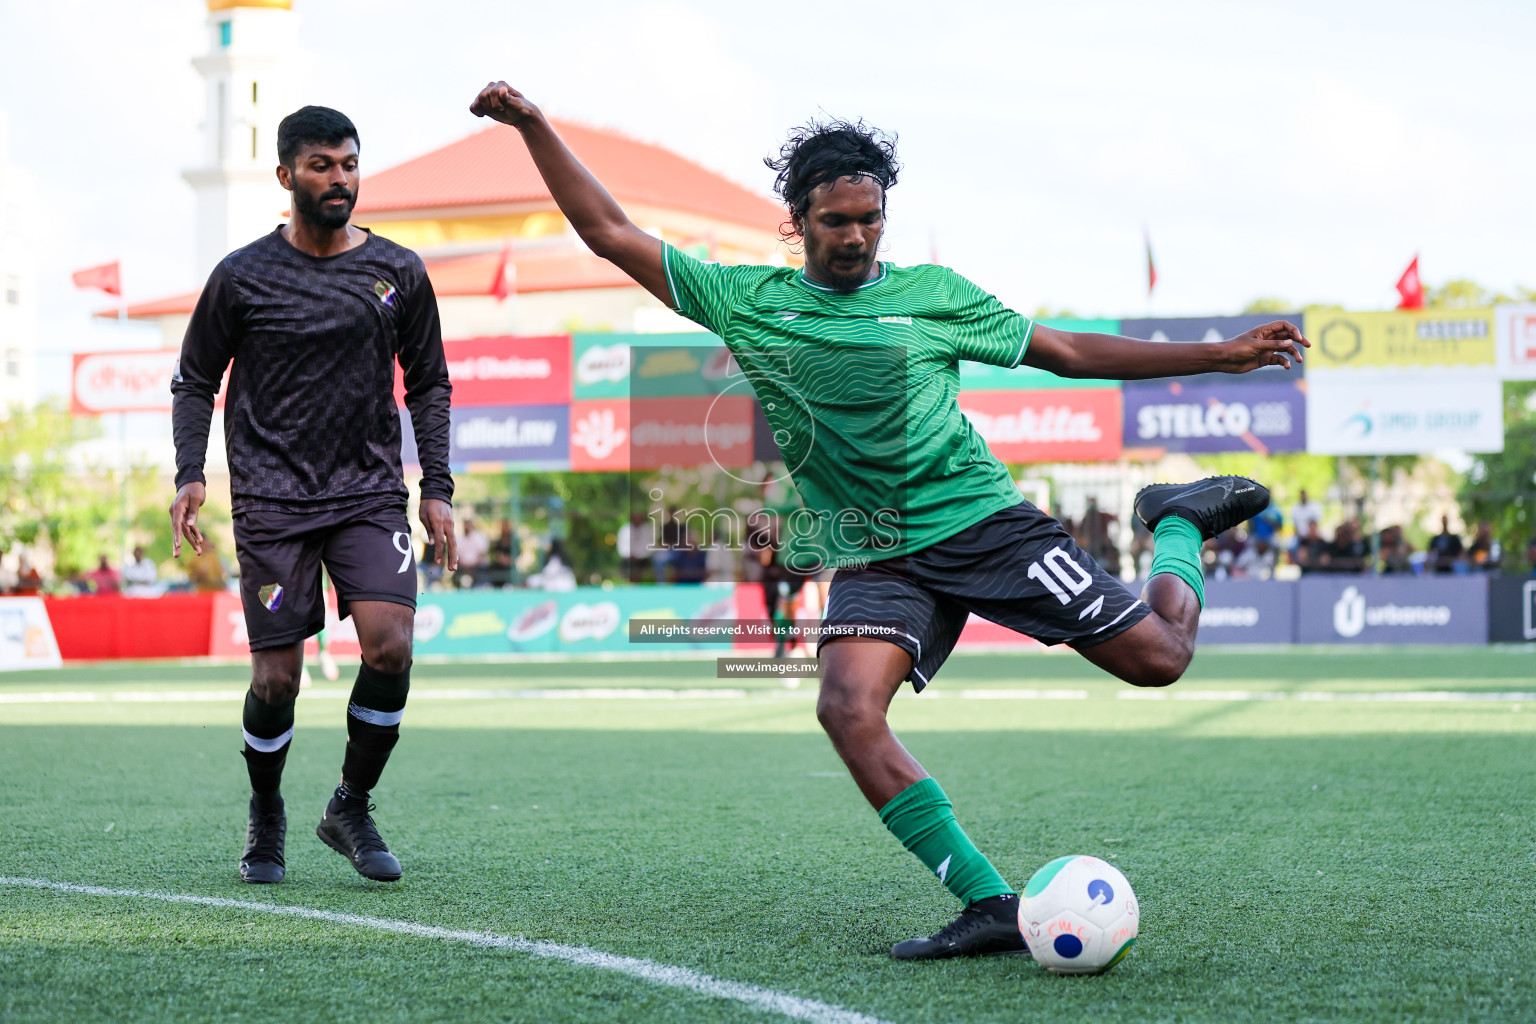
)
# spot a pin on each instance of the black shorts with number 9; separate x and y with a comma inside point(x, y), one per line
point(1018, 568)
point(366, 549)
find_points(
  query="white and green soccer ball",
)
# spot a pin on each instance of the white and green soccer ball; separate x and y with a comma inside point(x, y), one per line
point(1078, 915)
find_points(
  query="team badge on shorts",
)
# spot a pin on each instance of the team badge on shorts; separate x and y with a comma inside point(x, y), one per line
point(385, 291)
point(271, 596)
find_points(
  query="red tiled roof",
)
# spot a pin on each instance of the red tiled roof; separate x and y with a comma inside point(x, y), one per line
point(493, 166)
point(548, 271)
point(167, 306)
point(539, 271)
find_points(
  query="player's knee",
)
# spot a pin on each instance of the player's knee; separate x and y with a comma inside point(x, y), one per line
point(390, 654)
point(1161, 669)
point(842, 708)
point(275, 684)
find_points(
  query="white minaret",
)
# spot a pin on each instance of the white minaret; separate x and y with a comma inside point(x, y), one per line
point(246, 72)
point(18, 280)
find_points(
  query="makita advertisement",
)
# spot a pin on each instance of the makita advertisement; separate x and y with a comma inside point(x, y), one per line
point(1060, 425)
point(1229, 417)
point(1392, 610)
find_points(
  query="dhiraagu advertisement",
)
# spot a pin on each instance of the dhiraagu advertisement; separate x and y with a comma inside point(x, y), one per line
point(587, 619)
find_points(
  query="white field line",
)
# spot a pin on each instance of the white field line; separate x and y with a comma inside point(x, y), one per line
point(765, 999)
point(1386, 697)
point(722, 694)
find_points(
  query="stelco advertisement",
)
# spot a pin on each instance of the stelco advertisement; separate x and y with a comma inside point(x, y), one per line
point(1234, 417)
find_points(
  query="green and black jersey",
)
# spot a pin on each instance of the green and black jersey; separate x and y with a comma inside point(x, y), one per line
point(860, 390)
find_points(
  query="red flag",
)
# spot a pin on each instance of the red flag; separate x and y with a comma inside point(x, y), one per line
point(1410, 287)
point(1151, 266)
point(105, 277)
point(501, 287)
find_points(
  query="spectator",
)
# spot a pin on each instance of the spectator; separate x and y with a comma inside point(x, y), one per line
point(634, 546)
point(556, 574)
point(140, 575)
point(1257, 561)
point(1305, 514)
point(504, 557)
point(104, 579)
point(1348, 552)
point(1530, 554)
point(1485, 553)
point(689, 562)
point(1311, 552)
point(1445, 548)
point(761, 531)
point(431, 572)
point(1141, 547)
point(671, 537)
point(1226, 549)
point(1396, 552)
point(474, 549)
point(1097, 533)
point(1265, 525)
point(29, 583)
point(206, 571)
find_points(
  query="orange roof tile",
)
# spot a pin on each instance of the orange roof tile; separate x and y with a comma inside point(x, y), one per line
point(543, 271)
point(167, 306)
point(493, 166)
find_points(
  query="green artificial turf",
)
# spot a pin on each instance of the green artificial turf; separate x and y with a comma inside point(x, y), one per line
point(1296, 859)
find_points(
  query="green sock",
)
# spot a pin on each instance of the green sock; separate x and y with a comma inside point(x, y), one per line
point(1178, 552)
point(922, 817)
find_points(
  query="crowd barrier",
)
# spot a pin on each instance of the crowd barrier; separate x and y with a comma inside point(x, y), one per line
point(1312, 610)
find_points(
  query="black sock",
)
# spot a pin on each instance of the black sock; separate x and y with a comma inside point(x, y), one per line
point(373, 726)
point(268, 733)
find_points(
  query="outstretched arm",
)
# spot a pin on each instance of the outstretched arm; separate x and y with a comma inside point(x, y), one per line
point(1068, 354)
point(586, 204)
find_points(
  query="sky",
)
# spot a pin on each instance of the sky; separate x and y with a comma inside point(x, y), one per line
point(1299, 150)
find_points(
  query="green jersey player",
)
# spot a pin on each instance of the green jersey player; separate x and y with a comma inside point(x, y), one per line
point(855, 363)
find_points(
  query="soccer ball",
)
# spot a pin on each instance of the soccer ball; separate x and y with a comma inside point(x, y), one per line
point(1078, 915)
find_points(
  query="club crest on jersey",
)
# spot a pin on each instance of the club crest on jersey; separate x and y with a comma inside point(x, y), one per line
point(271, 596)
point(385, 291)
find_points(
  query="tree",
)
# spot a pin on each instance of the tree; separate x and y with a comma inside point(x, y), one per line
point(1270, 304)
point(51, 496)
point(1501, 487)
point(1462, 293)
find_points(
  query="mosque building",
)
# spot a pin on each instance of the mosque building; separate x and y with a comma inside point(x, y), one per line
point(501, 257)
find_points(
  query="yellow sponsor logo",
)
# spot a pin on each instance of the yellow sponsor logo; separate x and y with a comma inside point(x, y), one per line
point(475, 624)
point(1343, 341)
point(667, 363)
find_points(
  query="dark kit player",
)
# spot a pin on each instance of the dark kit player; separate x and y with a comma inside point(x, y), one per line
point(313, 317)
point(855, 363)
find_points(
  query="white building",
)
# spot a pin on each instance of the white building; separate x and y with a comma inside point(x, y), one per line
point(18, 280)
point(247, 83)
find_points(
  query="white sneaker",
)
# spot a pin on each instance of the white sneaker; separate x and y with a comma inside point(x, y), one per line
point(328, 666)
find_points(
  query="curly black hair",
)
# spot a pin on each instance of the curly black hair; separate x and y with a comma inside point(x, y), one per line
point(823, 151)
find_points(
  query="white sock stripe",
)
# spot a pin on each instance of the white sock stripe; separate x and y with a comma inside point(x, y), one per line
point(373, 717)
point(759, 998)
point(267, 746)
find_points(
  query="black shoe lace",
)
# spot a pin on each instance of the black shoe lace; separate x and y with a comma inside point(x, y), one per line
point(971, 919)
point(265, 832)
point(365, 835)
